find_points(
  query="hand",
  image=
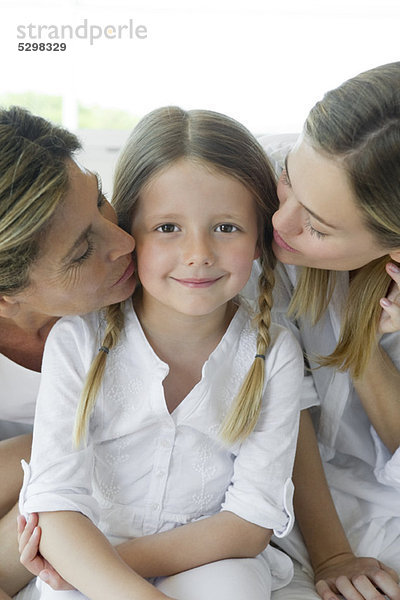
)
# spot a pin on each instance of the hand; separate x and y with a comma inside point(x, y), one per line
point(390, 317)
point(29, 538)
point(356, 578)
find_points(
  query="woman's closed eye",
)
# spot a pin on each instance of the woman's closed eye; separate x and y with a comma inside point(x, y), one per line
point(313, 231)
point(88, 252)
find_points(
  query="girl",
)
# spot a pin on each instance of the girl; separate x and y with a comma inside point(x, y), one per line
point(339, 217)
point(185, 434)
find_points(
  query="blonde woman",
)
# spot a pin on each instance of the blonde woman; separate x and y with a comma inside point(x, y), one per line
point(181, 447)
point(337, 237)
point(61, 252)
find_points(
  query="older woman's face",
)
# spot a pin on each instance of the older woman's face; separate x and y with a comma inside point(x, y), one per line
point(318, 223)
point(85, 261)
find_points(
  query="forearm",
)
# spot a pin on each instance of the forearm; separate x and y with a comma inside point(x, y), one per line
point(84, 557)
point(221, 536)
point(314, 508)
point(379, 392)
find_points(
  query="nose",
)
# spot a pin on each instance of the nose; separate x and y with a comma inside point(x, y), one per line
point(198, 251)
point(288, 218)
point(120, 242)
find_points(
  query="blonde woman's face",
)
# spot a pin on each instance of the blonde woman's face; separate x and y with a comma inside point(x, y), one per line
point(85, 261)
point(318, 223)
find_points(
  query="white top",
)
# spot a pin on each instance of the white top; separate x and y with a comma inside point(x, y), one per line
point(19, 389)
point(364, 477)
point(145, 470)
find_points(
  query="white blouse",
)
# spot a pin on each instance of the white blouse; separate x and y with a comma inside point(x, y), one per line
point(363, 475)
point(19, 389)
point(145, 470)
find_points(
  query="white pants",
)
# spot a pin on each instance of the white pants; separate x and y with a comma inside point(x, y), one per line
point(300, 588)
point(233, 579)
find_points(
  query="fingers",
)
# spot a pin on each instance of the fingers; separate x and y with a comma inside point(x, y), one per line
point(359, 588)
point(29, 556)
point(393, 574)
point(390, 319)
point(394, 272)
point(325, 591)
point(21, 522)
point(25, 529)
point(379, 585)
point(386, 580)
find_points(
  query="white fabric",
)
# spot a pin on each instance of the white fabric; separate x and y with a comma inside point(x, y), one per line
point(234, 579)
point(363, 476)
point(29, 592)
point(19, 389)
point(301, 587)
point(145, 470)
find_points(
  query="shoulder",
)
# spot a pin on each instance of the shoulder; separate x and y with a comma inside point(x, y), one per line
point(284, 345)
point(76, 330)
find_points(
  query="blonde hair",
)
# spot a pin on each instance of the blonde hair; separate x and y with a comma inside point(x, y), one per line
point(358, 125)
point(163, 137)
point(33, 181)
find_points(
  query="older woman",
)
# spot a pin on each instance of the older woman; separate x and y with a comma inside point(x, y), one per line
point(61, 252)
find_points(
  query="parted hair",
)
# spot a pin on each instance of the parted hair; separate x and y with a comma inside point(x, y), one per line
point(33, 181)
point(162, 138)
point(358, 125)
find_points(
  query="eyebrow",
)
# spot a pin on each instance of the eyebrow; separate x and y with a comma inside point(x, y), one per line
point(312, 213)
point(85, 234)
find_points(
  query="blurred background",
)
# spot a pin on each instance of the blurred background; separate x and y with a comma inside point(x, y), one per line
point(262, 62)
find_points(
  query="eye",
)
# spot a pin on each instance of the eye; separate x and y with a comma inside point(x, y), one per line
point(226, 228)
point(88, 252)
point(101, 200)
point(168, 228)
point(313, 231)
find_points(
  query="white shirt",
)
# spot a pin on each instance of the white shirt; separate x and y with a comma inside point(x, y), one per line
point(363, 476)
point(19, 389)
point(145, 470)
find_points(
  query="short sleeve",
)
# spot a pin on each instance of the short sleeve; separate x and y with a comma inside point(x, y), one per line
point(59, 474)
point(261, 489)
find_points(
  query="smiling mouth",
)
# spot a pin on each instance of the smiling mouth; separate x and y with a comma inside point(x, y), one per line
point(197, 283)
point(281, 243)
point(127, 273)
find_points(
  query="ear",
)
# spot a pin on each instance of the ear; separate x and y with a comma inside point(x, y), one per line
point(257, 252)
point(395, 255)
point(9, 306)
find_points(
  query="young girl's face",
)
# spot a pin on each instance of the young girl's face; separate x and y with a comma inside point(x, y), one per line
point(318, 223)
point(196, 238)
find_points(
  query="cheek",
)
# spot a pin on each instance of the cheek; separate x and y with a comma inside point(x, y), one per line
point(150, 260)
